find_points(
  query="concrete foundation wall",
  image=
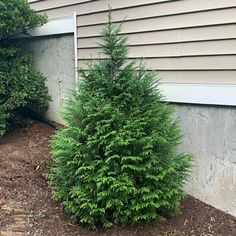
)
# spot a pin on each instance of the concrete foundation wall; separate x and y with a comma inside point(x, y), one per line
point(54, 57)
point(210, 134)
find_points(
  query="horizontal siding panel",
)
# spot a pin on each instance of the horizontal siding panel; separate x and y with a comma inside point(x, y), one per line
point(52, 4)
point(173, 36)
point(214, 62)
point(154, 10)
point(186, 63)
point(167, 23)
point(89, 6)
point(198, 77)
point(172, 50)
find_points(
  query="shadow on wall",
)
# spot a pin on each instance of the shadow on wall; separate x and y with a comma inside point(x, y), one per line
point(54, 57)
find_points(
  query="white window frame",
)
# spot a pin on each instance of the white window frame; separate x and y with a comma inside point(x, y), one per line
point(209, 94)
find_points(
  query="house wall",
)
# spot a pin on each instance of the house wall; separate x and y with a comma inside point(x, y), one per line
point(187, 41)
point(192, 45)
point(54, 57)
point(210, 135)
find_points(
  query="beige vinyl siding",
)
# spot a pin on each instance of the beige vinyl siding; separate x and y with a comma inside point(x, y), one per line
point(187, 41)
point(59, 8)
point(220, 47)
point(187, 63)
point(199, 34)
point(180, 21)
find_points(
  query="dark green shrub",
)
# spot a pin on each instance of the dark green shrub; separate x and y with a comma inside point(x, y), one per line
point(20, 84)
point(117, 161)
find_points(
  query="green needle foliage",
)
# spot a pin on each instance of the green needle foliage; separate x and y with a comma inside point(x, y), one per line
point(117, 161)
point(20, 84)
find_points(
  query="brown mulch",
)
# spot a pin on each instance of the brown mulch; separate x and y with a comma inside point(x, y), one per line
point(26, 207)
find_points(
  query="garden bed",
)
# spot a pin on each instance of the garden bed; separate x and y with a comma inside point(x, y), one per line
point(26, 207)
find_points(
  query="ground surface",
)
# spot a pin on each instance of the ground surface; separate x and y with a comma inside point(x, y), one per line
point(26, 207)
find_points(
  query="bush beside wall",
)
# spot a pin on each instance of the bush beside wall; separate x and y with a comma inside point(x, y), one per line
point(20, 84)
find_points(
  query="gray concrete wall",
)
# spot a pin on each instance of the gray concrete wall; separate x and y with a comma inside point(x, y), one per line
point(210, 134)
point(54, 57)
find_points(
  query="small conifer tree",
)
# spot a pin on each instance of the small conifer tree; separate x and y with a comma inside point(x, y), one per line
point(117, 161)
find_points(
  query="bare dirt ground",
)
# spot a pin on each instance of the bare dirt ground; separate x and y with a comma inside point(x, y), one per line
point(26, 207)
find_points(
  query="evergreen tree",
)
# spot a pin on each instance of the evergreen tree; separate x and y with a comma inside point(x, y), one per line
point(117, 161)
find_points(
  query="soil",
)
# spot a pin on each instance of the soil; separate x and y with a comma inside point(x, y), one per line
point(26, 206)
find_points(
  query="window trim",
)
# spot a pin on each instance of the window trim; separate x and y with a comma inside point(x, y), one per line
point(208, 94)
